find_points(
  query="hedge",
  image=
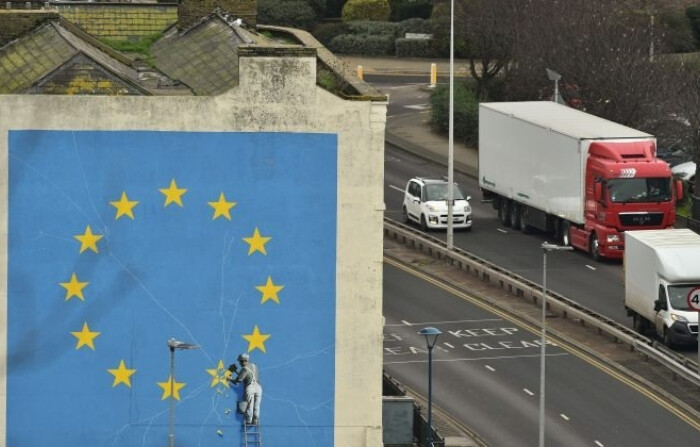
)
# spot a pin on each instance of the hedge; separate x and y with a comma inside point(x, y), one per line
point(406, 9)
point(287, 13)
point(413, 47)
point(365, 45)
point(376, 10)
point(466, 112)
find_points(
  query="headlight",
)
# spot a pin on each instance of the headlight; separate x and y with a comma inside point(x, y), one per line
point(467, 209)
point(679, 318)
point(432, 208)
point(613, 238)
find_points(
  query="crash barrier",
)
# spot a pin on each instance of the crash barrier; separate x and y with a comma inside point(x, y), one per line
point(687, 222)
point(678, 365)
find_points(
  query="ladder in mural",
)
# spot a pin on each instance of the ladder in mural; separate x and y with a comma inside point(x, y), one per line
point(252, 436)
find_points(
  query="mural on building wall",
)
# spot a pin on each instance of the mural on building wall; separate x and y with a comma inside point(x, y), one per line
point(120, 241)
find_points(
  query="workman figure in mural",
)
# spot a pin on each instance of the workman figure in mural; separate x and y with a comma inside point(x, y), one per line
point(248, 375)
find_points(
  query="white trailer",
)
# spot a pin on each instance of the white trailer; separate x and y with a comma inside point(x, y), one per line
point(661, 268)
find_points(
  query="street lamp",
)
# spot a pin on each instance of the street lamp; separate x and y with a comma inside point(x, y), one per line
point(431, 335)
point(546, 247)
point(173, 345)
point(451, 133)
point(554, 76)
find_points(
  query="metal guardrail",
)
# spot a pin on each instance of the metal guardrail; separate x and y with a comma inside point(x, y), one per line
point(679, 365)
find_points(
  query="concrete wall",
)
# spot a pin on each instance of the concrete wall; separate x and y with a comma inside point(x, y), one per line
point(119, 21)
point(294, 105)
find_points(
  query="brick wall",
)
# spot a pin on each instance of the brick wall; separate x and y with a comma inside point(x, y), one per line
point(119, 21)
point(193, 10)
point(14, 23)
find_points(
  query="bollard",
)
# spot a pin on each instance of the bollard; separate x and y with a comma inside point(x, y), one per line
point(433, 75)
point(360, 73)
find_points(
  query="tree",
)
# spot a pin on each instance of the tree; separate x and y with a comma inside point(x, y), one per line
point(688, 89)
point(372, 10)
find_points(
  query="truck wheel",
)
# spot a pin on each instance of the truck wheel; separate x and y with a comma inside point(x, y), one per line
point(405, 215)
point(594, 248)
point(423, 223)
point(565, 233)
point(515, 216)
point(639, 324)
point(524, 219)
point(504, 212)
point(668, 341)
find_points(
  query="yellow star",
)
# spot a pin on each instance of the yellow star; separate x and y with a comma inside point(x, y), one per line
point(257, 243)
point(218, 375)
point(124, 206)
point(171, 387)
point(74, 287)
point(222, 207)
point(122, 375)
point(269, 291)
point(88, 240)
point(173, 194)
point(256, 340)
point(86, 337)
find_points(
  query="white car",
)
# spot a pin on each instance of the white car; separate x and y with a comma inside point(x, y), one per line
point(425, 202)
point(686, 172)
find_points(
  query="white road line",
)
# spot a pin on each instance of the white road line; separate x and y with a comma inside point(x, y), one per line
point(396, 188)
point(565, 417)
point(502, 231)
point(406, 323)
point(434, 323)
point(528, 392)
point(449, 345)
point(477, 359)
point(490, 368)
point(599, 444)
point(590, 267)
point(418, 106)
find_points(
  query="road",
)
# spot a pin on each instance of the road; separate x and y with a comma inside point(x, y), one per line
point(596, 285)
point(486, 374)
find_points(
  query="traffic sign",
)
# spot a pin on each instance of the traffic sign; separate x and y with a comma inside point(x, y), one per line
point(694, 299)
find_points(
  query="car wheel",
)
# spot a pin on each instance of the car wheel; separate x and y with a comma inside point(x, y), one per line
point(595, 248)
point(565, 233)
point(515, 216)
point(405, 215)
point(423, 223)
point(504, 212)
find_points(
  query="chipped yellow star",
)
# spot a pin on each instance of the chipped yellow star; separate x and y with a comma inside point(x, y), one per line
point(218, 375)
point(85, 337)
point(173, 194)
point(88, 240)
point(122, 375)
point(171, 389)
point(222, 207)
point(257, 242)
point(74, 287)
point(256, 340)
point(124, 206)
point(269, 291)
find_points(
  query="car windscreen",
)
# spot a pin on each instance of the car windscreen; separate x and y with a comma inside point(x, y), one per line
point(438, 191)
point(678, 296)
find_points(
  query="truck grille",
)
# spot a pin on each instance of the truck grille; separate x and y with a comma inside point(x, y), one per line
point(641, 219)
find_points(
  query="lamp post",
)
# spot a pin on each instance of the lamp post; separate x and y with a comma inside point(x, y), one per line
point(173, 345)
point(546, 247)
point(431, 335)
point(450, 152)
point(554, 76)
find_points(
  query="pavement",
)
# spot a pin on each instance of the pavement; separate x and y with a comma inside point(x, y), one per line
point(411, 131)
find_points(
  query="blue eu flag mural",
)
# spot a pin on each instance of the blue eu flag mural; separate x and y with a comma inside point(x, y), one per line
point(119, 241)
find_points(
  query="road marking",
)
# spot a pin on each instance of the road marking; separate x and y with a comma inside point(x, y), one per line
point(565, 417)
point(449, 345)
point(477, 359)
point(502, 231)
point(528, 392)
point(435, 323)
point(396, 188)
point(599, 444)
point(490, 368)
point(590, 267)
point(418, 107)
